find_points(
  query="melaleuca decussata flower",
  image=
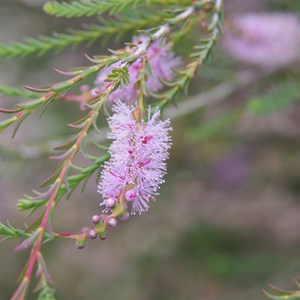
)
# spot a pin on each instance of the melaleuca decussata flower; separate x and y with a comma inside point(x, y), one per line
point(162, 62)
point(138, 158)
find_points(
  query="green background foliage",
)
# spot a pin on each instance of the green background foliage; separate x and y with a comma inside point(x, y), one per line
point(227, 221)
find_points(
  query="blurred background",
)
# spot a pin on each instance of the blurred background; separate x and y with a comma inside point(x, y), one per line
point(227, 221)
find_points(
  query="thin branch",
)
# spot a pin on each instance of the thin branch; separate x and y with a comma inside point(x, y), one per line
point(75, 9)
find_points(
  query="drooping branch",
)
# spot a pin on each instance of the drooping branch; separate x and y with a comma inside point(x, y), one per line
point(89, 8)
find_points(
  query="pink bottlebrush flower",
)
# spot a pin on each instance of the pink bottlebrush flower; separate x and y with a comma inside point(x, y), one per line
point(270, 40)
point(162, 63)
point(138, 158)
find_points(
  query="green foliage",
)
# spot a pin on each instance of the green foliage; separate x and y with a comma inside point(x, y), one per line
point(119, 76)
point(96, 7)
point(205, 46)
point(8, 231)
point(200, 54)
point(16, 93)
point(92, 33)
point(59, 89)
point(46, 293)
point(32, 203)
point(24, 109)
point(279, 97)
point(86, 8)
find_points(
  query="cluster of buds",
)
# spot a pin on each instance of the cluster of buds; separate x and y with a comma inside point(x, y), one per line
point(101, 223)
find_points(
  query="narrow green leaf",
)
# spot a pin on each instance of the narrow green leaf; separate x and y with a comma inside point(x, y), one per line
point(17, 93)
point(77, 9)
point(19, 122)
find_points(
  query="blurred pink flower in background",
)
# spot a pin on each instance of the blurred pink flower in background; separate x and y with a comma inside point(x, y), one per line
point(162, 62)
point(270, 40)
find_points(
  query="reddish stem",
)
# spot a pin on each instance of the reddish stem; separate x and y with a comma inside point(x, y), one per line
point(50, 205)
